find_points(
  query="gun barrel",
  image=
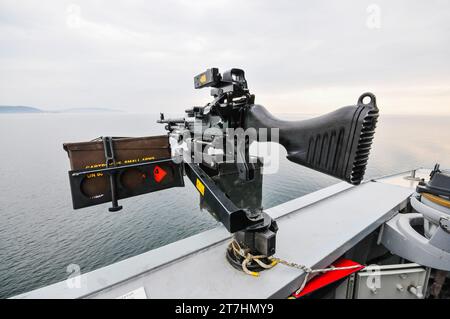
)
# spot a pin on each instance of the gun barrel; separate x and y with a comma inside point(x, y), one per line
point(178, 120)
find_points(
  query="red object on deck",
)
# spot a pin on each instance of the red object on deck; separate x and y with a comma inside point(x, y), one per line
point(159, 174)
point(329, 277)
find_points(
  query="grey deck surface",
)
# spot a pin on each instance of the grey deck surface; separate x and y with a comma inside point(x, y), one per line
point(313, 230)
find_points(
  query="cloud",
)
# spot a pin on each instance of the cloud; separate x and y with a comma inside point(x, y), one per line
point(306, 57)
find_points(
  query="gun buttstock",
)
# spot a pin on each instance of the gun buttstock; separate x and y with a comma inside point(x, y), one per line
point(337, 144)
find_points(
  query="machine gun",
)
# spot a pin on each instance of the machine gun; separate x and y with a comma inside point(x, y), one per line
point(210, 145)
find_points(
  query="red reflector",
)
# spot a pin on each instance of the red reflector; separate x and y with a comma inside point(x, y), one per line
point(159, 174)
point(327, 278)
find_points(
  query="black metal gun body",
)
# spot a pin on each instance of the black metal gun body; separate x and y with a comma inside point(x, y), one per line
point(337, 144)
point(213, 143)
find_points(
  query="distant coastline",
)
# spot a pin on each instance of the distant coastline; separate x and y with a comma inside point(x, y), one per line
point(9, 109)
point(19, 109)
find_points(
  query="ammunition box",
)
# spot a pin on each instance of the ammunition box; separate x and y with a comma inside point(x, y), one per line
point(90, 157)
point(127, 150)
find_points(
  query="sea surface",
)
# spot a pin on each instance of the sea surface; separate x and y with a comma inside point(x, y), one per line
point(40, 233)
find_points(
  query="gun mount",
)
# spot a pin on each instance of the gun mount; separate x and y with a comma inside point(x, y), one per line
point(211, 143)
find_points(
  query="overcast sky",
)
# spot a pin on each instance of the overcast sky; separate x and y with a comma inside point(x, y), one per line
point(299, 56)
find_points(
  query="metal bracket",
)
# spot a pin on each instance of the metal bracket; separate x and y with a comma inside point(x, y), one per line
point(233, 218)
point(254, 231)
point(111, 161)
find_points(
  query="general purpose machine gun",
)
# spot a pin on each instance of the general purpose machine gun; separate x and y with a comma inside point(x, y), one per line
point(211, 146)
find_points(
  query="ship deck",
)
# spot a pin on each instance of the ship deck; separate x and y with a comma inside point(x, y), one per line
point(314, 230)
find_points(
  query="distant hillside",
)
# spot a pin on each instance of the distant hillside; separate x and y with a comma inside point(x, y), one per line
point(19, 109)
point(29, 109)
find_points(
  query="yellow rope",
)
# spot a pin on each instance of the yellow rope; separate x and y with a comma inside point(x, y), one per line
point(248, 257)
point(437, 200)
